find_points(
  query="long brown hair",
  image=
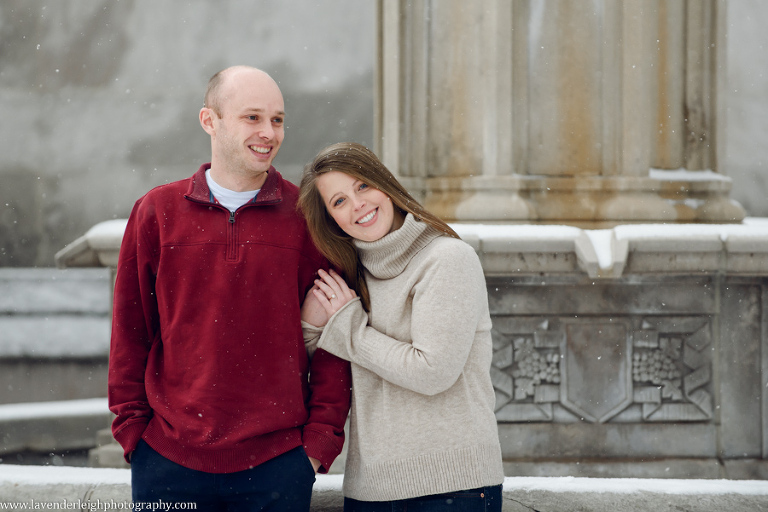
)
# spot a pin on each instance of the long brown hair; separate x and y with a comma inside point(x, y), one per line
point(361, 163)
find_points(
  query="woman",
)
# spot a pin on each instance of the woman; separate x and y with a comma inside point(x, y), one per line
point(415, 325)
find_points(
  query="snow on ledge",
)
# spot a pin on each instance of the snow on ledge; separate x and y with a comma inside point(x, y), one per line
point(686, 175)
point(108, 230)
point(751, 227)
point(50, 475)
point(57, 409)
point(603, 252)
point(636, 485)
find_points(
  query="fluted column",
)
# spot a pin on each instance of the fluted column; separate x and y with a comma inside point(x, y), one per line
point(555, 111)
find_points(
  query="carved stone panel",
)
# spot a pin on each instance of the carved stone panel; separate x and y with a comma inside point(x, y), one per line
point(596, 377)
point(632, 369)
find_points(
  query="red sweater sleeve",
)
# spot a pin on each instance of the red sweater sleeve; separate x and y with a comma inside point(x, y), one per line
point(330, 386)
point(134, 327)
point(330, 393)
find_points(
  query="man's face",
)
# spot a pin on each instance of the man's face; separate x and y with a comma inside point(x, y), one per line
point(248, 135)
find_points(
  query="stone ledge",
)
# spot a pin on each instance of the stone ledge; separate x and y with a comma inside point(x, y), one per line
point(587, 201)
point(520, 249)
point(512, 249)
point(98, 247)
point(52, 426)
point(40, 484)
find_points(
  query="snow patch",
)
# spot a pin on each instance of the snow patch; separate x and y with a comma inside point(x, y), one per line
point(636, 485)
point(602, 241)
point(57, 409)
point(686, 175)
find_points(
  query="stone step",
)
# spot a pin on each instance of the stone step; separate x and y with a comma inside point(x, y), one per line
point(46, 484)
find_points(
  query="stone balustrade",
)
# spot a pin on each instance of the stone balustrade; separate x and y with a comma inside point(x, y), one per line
point(638, 350)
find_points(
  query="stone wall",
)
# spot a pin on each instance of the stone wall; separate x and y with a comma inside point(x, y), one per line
point(102, 99)
point(747, 105)
point(633, 352)
point(54, 334)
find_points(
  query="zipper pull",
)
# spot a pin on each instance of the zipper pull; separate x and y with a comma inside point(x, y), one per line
point(232, 217)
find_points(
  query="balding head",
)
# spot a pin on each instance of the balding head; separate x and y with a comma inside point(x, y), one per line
point(221, 83)
point(244, 115)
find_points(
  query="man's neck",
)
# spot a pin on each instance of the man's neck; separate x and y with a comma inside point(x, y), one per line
point(238, 183)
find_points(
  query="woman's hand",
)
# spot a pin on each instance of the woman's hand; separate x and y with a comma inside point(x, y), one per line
point(312, 311)
point(332, 291)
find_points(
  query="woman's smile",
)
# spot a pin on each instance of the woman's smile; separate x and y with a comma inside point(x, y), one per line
point(361, 211)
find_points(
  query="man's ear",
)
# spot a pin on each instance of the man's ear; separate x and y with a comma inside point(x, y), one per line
point(206, 120)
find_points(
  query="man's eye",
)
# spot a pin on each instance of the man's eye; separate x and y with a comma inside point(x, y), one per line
point(278, 120)
point(363, 186)
point(253, 118)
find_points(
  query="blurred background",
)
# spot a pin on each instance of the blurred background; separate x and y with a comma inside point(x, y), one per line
point(99, 100)
point(99, 103)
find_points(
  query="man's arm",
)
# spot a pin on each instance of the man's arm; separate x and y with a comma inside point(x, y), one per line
point(330, 383)
point(134, 319)
point(330, 378)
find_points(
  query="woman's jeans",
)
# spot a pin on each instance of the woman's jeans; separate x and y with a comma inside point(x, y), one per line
point(482, 499)
point(282, 484)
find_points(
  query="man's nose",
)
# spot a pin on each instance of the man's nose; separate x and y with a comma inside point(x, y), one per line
point(266, 131)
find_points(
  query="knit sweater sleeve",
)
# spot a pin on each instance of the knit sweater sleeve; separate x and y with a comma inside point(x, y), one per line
point(449, 301)
point(311, 337)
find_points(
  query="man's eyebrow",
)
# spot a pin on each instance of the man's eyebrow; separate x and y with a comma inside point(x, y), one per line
point(261, 110)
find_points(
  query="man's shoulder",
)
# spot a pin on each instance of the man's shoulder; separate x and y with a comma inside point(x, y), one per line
point(289, 190)
point(172, 187)
point(166, 191)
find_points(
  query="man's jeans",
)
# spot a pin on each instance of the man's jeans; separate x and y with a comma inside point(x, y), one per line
point(282, 484)
point(482, 499)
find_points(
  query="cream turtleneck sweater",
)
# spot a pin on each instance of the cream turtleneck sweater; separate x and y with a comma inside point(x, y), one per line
point(422, 418)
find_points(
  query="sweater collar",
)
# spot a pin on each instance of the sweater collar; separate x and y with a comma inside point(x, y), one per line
point(270, 191)
point(387, 257)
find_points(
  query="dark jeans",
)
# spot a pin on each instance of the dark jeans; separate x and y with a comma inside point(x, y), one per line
point(482, 499)
point(282, 484)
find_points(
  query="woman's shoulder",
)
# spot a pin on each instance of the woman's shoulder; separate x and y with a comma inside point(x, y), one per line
point(448, 261)
point(448, 249)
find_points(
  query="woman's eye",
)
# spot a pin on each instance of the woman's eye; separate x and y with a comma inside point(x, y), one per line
point(338, 202)
point(363, 186)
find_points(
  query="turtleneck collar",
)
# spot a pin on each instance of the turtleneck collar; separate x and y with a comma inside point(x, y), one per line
point(387, 257)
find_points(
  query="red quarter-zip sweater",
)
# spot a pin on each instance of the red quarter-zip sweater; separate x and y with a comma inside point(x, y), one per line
point(207, 361)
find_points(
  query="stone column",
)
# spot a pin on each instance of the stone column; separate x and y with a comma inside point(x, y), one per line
point(555, 111)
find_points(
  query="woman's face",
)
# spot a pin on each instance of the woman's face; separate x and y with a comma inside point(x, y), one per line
point(361, 211)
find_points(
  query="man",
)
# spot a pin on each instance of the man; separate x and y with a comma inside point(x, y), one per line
point(217, 402)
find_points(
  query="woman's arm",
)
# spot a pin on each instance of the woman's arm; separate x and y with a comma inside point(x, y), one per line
point(449, 302)
point(313, 318)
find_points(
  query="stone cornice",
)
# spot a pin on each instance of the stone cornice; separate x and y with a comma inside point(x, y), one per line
point(690, 249)
point(520, 249)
